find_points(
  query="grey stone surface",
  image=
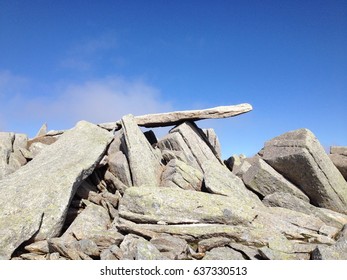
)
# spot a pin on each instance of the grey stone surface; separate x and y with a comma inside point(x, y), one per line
point(286, 200)
point(223, 253)
point(171, 247)
point(338, 251)
point(340, 160)
point(264, 180)
point(34, 200)
point(214, 141)
point(219, 180)
point(299, 157)
point(176, 206)
point(137, 248)
point(145, 166)
point(11, 155)
point(119, 167)
point(179, 174)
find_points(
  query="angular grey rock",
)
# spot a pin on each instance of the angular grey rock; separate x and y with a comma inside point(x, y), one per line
point(119, 167)
point(171, 247)
point(213, 242)
point(219, 180)
point(214, 141)
point(179, 174)
point(42, 131)
point(339, 150)
point(264, 180)
point(11, 155)
point(137, 248)
point(90, 223)
point(286, 200)
point(176, 206)
point(234, 161)
point(144, 165)
point(197, 142)
point(174, 146)
point(223, 253)
point(174, 118)
point(338, 251)
point(338, 155)
point(34, 200)
point(299, 157)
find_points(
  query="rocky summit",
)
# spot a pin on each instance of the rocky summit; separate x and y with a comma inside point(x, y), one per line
point(113, 192)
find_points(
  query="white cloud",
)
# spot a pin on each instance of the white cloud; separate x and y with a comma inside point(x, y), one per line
point(99, 100)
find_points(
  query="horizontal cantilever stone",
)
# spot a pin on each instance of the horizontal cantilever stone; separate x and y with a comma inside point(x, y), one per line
point(173, 118)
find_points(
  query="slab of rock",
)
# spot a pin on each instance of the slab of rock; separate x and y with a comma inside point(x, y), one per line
point(173, 146)
point(197, 142)
point(171, 247)
point(338, 150)
point(12, 147)
point(338, 155)
point(299, 157)
point(144, 165)
point(214, 141)
point(119, 167)
point(137, 248)
point(176, 206)
point(34, 200)
point(338, 251)
point(286, 200)
point(223, 253)
point(264, 180)
point(174, 118)
point(219, 180)
point(179, 174)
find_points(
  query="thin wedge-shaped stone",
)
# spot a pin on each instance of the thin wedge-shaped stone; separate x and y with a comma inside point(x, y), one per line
point(174, 118)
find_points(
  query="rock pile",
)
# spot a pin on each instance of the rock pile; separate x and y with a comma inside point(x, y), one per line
point(112, 192)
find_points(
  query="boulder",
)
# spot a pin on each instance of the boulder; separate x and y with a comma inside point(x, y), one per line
point(219, 180)
point(223, 253)
point(34, 200)
point(137, 248)
point(179, 174)
point(338, 155)
point(12, 147)
point(176, 206)
point(144, 165)
point(299, 157)
point(214, 141)
point(263, 179)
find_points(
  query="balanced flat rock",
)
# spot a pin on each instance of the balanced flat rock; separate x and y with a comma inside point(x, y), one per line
point(174, 118)
point(34, 200)
point(299, 157)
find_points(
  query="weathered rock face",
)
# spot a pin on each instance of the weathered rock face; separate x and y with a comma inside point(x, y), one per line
point(144, 164)
point(338, 156)
point(299, 157)
point(264, 180)
point(175, 206)
point(50, 181)
point(13, 148)
point(88, 193)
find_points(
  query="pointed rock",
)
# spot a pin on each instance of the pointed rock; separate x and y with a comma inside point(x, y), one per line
point(145, 166)
point(34, 200)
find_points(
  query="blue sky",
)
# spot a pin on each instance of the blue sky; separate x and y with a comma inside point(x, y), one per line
point(63, 61)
